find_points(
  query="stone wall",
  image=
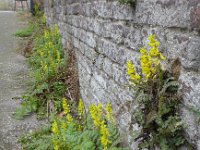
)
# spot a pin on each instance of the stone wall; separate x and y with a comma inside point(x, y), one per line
point(105, 34)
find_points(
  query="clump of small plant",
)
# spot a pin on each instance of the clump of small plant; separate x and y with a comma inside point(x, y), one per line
point(127, 2)
point(157, 101)
point(48, 75)
point(77, 129)
point(26, 32)
point(90, 130)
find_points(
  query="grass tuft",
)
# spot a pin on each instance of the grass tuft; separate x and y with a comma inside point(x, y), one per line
point(26, 32)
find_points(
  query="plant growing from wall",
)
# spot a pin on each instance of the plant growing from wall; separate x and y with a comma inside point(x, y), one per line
point(157, 101)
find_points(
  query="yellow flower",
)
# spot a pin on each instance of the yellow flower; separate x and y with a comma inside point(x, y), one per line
point(46, 34)
point(152, 41)
point(146, 65)
point(53, 66)
point(145, 59)
point(134, 76)
point(154, 51)
point(69, 118)
point(143, 51)
point(150, 62)
point(65, 106)
point(109, 112)
point(56, 144)
point(63, 125)
point(104, 136)
point(81, 108)
point(55, 128)
point(56, 147)
point(44, 67)
point(96, 114)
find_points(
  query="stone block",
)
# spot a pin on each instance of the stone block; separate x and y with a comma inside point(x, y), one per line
point(191, 54)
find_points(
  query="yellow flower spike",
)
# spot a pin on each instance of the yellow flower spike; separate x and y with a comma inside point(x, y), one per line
point(63, 125)
point(152, 41)
point(146, 65)
point(69, 118)
point(154, 51)
point(143, 51)
point(65, 106)
point(151, 38)
point(46, 34)
point(145, 59)
point(81, 108)
point(56, 147)
point(55, 128)
point(109, 108)
point(104, 136)
point(134, 76)
point(56, 144)
point(53, 66)
point(96, 114)
point(109, 112)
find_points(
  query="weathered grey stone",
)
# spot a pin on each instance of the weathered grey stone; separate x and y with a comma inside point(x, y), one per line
point(189, 87)
point(191, 55)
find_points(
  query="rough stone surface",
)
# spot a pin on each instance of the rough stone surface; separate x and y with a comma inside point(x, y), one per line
point(13, 79)
point(106, 34)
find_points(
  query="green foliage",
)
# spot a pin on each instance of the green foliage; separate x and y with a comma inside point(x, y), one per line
point(129, 2)
point(38, 140)
point(74, 131)
point(48, 75)
point(82, 131)
point(157, 102)
point(26, 32)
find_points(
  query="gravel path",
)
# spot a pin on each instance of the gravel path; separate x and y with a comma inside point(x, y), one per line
point(13, 77)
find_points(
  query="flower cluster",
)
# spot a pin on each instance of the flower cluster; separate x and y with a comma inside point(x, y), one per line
point(134, 76)
point(56, 132)
point(109, 113)
point(104, 135)
point(100, 119)
point(55, 128)
point(96, 114)
point(150, 62)
point(66, 109)
point(48, 53)
point(81, 108)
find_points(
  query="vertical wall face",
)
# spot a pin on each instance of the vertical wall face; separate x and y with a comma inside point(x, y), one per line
point(105, 34)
